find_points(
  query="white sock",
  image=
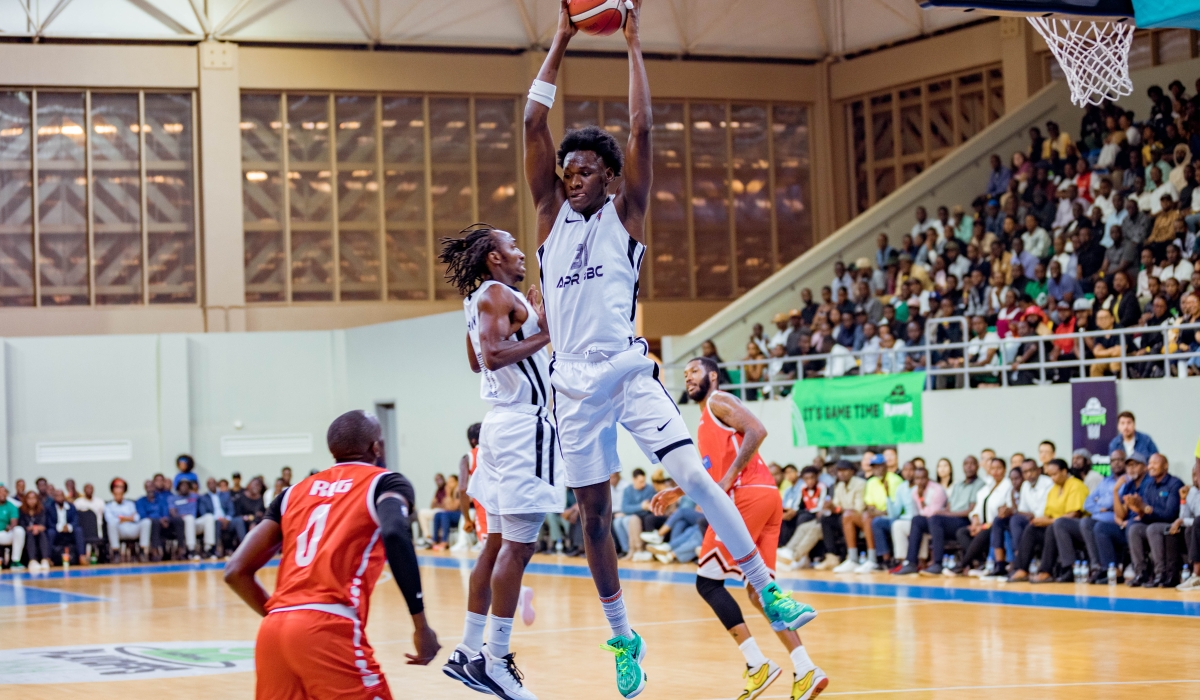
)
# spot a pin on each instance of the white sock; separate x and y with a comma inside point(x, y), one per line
point(498, 634)
point(871, 555)
point(614, 610)
point(800, 661)
point(852, 554)
point(755, 570)
point(473, 631)
point(754, 656)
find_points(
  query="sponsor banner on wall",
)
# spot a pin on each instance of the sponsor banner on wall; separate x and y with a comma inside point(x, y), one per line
point(1094, 418)
point(123, 662)
point(872, 410)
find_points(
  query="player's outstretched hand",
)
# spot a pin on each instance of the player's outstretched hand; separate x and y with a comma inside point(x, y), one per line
point(565, 28)
point(665, 499)
point(425, 641)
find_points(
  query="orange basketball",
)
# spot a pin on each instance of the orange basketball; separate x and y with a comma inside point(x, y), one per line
point(598, 17)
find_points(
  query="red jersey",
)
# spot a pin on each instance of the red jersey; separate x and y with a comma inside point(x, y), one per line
point(481, 530)
point(719, 445)
point(332, 544)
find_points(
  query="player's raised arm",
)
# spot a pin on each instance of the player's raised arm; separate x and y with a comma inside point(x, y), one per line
point(633, 199)
point(541, 167)
point(495, 326)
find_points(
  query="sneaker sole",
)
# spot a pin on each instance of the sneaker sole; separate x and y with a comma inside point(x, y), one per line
point(465, 679)
point(528, 614)
point(796, 624)
point(490, 687)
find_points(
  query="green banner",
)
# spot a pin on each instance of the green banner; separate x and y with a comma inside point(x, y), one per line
point(882, 409)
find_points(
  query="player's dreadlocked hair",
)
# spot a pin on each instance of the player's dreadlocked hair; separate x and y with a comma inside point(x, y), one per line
point(466, 257)
point(597, 140)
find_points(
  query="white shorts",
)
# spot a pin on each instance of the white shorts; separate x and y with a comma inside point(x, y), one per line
point(592, 395)
point(516, 527)
point(519, 470)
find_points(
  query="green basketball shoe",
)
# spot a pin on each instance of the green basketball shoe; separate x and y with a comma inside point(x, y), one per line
point(631, 679)
point(784, 612)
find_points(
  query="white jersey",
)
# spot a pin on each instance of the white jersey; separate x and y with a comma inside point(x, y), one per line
point(590, 281)
point(523, 382)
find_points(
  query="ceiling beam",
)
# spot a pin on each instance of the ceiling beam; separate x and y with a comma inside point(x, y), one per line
point(401, 17)
point(163, 18)
point(915, 24)
point(202, 17)
point(232, 15)
point(227, 24)
point(54, 13)
point(362, 22)
point(531, 33)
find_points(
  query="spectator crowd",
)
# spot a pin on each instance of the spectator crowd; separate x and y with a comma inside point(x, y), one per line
point(1091, 232)
point(48, 526)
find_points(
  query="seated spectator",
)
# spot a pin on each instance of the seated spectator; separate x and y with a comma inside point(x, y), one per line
point(1111, 537)
point(627, 520)
point(914, 358)
point(803, 506)
point(1089, 255)
point(883, 251)
point(37, 525)
point(848, 334)
point(686, 526)
point(1189, 523)
point(1150, 513)
point(924, 499)
point(90, 502)
point(975, 538)
point(841, 279)
point(424, 516)
point(847, 506)
point(782, 372)
point(1129, 438)
point(755, 371)
point(1098, 509)
point(1035, 238)
point(11, 534)
point(249, 510)
point(122, 521)
point(1175, 267)
point(878, 489)
point(1027, 353)
point(999, 178)
point(891, 352)
point(1031, 500)
point(1060, 284)
point(1062, 499)
point(215, 510)
point(450, 515)
point(1104, 346)
point(67, 534)
point(1125, 305)
point(782, 327)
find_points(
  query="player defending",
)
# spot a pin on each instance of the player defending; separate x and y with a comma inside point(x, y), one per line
point(729, 438)
point(590, 258)
point(335, 528)
point(515, 479)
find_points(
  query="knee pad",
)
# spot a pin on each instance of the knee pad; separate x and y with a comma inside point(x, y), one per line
point(722, 603)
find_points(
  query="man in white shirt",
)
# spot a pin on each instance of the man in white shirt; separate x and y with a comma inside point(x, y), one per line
point(924, 223)
point(1032, 502)
point(121, 516)
point(1104, 198)
point(781, 333)
point(870, 349)
point(1151, 200)
point(1176, 266)
point(1036, 239)
point(983, 350)
point(841, 280)
point(90, 502)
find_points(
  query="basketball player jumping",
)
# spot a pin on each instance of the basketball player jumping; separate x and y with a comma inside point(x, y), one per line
point(729, 438)
point(335, 528)
point(590, 260)
point(516, 476)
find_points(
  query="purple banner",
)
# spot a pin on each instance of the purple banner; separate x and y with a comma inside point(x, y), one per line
point(1094, 416)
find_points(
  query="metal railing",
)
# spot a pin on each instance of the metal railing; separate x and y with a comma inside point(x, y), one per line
point(939, 360)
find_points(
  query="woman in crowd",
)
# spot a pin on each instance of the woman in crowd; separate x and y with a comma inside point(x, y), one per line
point(425, 515)
point(945, 474)
point(33, 517)
point(447, 519)
point(754, 371)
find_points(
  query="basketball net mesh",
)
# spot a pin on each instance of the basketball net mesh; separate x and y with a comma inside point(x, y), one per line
point(1093, 55)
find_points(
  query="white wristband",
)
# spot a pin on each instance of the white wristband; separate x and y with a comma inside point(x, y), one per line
point(543, 93)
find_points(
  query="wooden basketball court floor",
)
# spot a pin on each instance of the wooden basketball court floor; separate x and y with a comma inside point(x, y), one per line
point(875, 636)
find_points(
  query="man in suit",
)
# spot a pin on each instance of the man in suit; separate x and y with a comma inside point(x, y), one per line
point(215, 510)
point(64, 518)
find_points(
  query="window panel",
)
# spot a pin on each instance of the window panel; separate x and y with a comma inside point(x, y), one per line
point(62, 199)
point(710, 204)
point(793, 213)
point(616, 122)
point(751, 194)
point(404, 197)
point(881, 126)
point(971, 118)
point(312, 264)
point(1174, 45)
point(170, 199)
point(16, 200)
point(496, 159)
point(116, 198)
point(355, 129)
point(262, 198)
point(668, 204)
point(308, 129)
point(452, 193)
point(580, 113)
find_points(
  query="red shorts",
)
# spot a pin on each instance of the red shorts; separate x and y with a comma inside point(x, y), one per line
point(308, 654)
point(762, 509)
point(480, 520)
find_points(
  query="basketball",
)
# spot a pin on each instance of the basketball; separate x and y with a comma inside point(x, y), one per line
point(598, 17)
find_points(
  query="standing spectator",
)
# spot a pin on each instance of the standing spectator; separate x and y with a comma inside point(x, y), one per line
point(186, 468)
point(1129, 438)
point(33, 519)
point(121, 517)
point(11, 534)
point(883, 251)
point(999, 177)
point(1154, 509)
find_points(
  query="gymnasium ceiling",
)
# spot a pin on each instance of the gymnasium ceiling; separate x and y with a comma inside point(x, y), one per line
point(805, 29)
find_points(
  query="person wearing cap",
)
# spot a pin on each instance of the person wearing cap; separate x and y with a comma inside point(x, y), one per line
point(1112, 537)
point(882, 486)
point(781, 330)
point(846, 505)
point(1081, 468)
point(1152, 511)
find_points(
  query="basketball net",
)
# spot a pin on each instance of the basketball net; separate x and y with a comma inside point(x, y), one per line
point(1093, 55)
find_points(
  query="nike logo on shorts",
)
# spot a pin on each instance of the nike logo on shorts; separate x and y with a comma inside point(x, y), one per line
point(660, 428)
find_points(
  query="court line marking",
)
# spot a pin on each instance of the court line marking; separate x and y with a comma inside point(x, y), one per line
point(1080, 601)
point(57, 597)
point(1016, 686)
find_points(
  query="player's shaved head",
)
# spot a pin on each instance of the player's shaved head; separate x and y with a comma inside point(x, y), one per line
point(355, 436)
